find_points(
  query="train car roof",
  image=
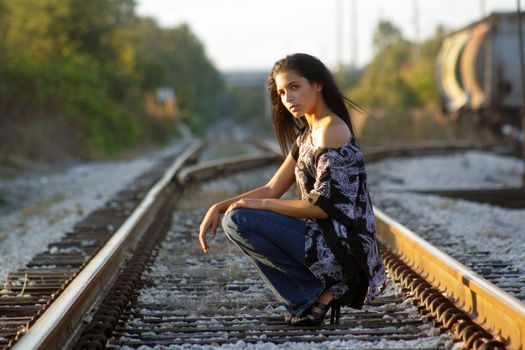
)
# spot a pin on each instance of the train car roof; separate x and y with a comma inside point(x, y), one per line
point(492, 17)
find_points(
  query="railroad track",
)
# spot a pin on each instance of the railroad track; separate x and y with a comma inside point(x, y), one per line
point(487, 261)
point(189, 298)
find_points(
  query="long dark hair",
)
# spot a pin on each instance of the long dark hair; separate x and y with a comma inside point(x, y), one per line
point(312, 69)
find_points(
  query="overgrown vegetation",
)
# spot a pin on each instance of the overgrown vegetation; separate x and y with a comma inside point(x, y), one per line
point(398, 89)
point(74, 75)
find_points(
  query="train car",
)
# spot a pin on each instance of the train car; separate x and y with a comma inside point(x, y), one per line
point(478, 73)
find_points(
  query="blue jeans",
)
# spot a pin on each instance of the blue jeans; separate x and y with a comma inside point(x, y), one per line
point(275, 245)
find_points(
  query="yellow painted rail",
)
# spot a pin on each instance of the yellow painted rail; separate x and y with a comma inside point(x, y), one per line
point(492, 308)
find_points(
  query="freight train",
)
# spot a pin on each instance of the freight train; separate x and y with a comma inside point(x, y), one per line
point(478, 74)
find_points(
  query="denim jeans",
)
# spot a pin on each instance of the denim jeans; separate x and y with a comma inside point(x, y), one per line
point(275, 245)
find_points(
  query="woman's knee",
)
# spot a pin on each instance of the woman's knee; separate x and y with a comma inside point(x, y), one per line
point(233, 222)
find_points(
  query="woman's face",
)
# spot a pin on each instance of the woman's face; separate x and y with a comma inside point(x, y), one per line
point(296, 93)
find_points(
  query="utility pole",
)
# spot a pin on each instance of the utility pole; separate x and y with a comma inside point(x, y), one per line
point(482, 8)
point(339, 33)
point(355, 37)
point(415, 44)
point(522, 71)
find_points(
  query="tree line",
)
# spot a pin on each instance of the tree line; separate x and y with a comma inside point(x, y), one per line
point(74, 76)
point(398, 89)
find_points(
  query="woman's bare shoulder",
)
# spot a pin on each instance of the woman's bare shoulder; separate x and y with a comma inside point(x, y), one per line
point(335, 134)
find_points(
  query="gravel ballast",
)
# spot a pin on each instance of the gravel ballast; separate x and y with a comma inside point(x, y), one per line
point(451, 223)
point(188, 296)
point(38, 209)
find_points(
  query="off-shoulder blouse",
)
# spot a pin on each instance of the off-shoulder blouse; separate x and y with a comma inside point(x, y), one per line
point(341, 251)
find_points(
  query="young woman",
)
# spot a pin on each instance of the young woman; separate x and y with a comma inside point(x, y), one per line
point(320, 251)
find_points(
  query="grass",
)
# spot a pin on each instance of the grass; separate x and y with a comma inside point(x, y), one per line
point(41, 207)
point(21, 294)
point(5, 290)
point(57, 217)
point(413, 125)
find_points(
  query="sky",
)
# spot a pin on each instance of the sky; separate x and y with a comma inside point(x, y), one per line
point(249, 34)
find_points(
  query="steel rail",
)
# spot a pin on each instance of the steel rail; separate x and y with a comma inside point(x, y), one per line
point(378, 152)
point(208, 170)
point(268, 145)
point(487, 305)
point(60, 323)
point(492, 308)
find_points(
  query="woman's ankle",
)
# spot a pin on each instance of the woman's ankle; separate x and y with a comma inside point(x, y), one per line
point(325, 298)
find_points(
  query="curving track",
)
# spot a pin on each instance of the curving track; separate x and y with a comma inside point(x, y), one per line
point(189, 298)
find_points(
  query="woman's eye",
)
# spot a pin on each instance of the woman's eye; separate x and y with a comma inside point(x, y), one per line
point(294, 87)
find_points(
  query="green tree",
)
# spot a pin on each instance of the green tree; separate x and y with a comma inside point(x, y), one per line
point(385, 35)
point(83, 68)
point(394, 87)
point(248, 103)
point(175, 57)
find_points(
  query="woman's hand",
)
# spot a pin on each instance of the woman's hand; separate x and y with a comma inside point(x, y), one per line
point(210, 222)
point(213, 217)
point(247, 203)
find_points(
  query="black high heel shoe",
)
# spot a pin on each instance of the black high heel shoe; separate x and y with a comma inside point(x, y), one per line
point(288, 318)
point(335, 315)
point(314, 318)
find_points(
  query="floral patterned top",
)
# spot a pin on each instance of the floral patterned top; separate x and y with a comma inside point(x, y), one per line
point(341, 251)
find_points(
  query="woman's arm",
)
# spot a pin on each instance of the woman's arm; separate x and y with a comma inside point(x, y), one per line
point(281, 181)
point(294, 208)
point(283, 178)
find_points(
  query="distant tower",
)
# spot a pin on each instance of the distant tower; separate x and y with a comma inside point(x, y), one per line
point(354, 36)
point(339, 33)
point(415, 45)
point(482, 8)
